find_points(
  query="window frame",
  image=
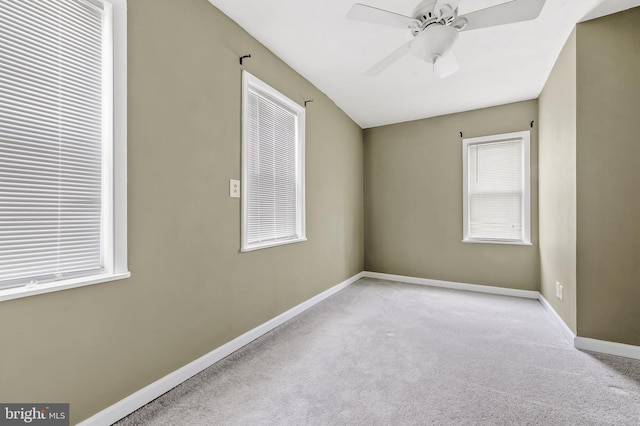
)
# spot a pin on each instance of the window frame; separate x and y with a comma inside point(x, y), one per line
point(114, 189)
point(525, 137)
point(252, 83)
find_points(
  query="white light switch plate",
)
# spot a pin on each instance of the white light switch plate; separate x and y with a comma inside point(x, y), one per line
point(559, 291)
point(234, 188)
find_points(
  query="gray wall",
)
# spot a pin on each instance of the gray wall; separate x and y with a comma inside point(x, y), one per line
point(608, 177)
point(191, 290)
point(557, 197)
point(413, 200)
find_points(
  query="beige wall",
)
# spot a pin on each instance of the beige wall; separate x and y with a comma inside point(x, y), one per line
point(191, 290)
point(413, 200)
point(608, 177)
point(557, 184)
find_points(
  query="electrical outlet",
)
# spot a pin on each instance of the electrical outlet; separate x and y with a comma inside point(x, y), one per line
point(559, 289)
point(234, 188)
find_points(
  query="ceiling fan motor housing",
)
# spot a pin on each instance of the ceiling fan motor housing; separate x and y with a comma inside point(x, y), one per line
point(427, 15)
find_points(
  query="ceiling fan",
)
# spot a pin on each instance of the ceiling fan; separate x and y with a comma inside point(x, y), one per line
point(435, 24)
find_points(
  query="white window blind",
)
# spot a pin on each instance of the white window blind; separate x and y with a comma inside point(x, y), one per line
point(51, 139)
point(272, 167)
point(496, 188)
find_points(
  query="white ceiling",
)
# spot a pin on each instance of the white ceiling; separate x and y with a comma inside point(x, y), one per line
point(498, 65)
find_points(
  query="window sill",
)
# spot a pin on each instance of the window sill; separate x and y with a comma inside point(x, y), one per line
point(513, 243)
point(272, 244)
point(32, 290)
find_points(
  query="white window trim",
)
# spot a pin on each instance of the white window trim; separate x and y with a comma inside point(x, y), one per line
point(115, 190)
point(251, 81)
point(525, 136)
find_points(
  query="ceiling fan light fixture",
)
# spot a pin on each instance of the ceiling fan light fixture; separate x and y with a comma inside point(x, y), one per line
point(434, 42)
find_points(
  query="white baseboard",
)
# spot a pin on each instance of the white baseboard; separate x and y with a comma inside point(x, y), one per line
point(606, 347)
point(593, 345)
point(528, 294)
point(568, 333)
point(147, 394)
point(583, 343)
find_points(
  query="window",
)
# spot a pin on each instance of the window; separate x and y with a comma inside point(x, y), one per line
point(62, 144)
point(272, 167)
point(496, 189)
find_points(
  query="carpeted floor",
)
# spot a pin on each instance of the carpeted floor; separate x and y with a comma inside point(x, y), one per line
point(383, 353)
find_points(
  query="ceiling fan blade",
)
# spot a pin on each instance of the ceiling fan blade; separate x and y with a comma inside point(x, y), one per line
point(446, 65)
point(506, 13)
point(361, 12)
point(390, 59)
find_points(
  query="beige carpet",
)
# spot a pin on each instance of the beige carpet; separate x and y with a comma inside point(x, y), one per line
point(382, 353)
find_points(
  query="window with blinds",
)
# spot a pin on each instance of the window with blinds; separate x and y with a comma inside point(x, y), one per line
point(273, 167)
point(55, 140)
point(496, 188)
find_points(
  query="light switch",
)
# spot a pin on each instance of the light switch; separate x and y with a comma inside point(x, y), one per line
point(234, 188)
